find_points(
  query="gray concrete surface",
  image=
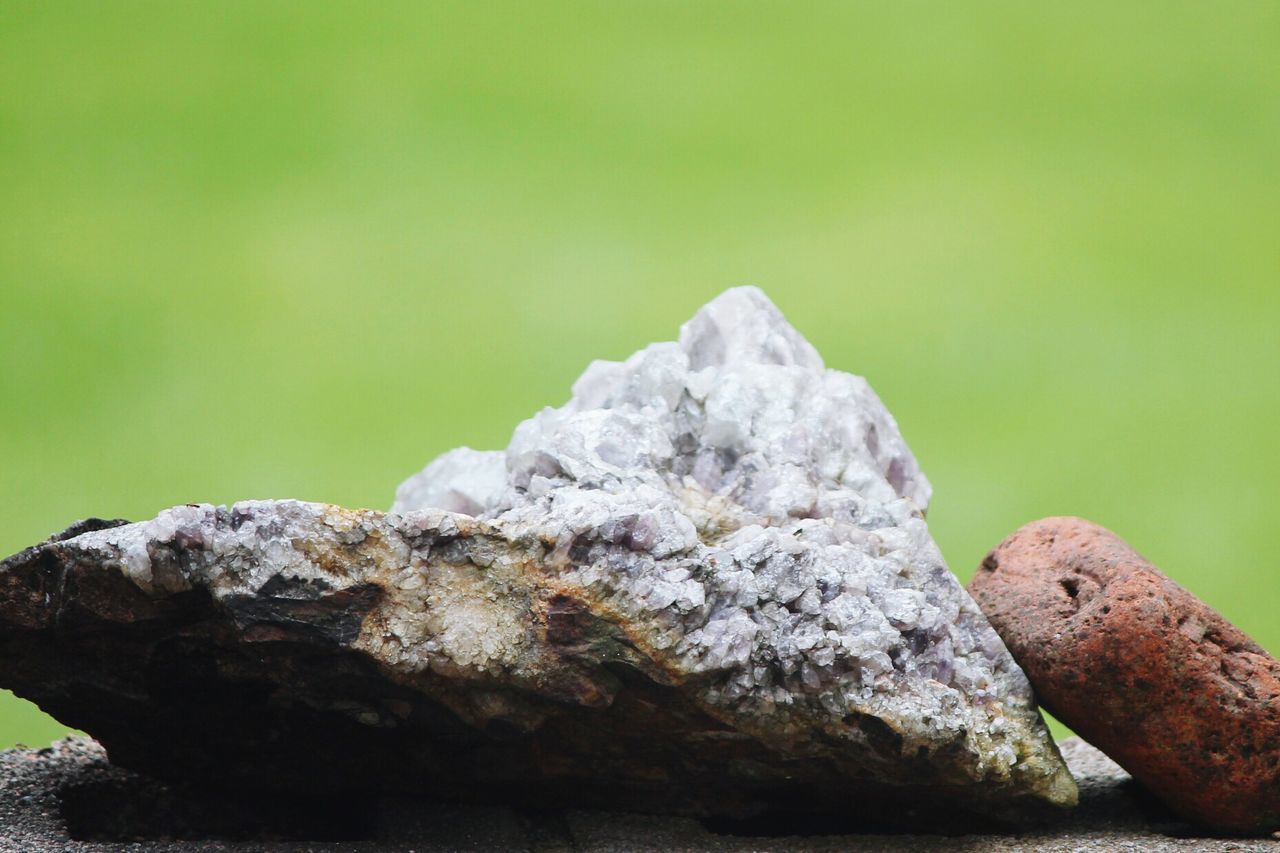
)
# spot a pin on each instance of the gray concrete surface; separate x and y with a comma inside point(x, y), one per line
point(68, 797)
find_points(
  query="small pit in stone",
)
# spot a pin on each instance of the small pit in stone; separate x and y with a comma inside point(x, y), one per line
point(1071, 586)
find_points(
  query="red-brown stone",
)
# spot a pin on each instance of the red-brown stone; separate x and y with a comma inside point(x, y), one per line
point(1161, 682)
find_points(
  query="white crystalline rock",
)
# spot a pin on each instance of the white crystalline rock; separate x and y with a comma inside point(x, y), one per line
point(762, 519)
point(462, 480)
point(740, 407)
point(711, 566)
point(236, 550)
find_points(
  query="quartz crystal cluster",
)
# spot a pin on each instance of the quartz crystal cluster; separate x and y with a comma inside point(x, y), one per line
point(704, 584)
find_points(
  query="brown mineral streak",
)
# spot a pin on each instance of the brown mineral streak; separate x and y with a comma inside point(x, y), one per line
point(1140, 667)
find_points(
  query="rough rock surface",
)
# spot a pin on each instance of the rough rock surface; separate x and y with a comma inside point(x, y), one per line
point(69, 798)
point(704, 585)
point(1142, 668)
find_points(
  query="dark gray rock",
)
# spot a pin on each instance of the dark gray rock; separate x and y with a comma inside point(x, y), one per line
point(68, 797)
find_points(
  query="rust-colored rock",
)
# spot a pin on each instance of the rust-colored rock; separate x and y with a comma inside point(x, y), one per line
point(1140, 667)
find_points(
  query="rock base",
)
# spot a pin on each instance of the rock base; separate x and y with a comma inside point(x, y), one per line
point(69, 797)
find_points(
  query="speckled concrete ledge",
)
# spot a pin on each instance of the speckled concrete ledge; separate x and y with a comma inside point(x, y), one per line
point(68, 797)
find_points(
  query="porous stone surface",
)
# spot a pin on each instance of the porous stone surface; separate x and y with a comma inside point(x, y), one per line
point(1179, 696)
point(67, 797)
point(704, 585)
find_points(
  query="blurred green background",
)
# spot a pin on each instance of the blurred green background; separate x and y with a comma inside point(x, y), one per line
point(296, 249)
